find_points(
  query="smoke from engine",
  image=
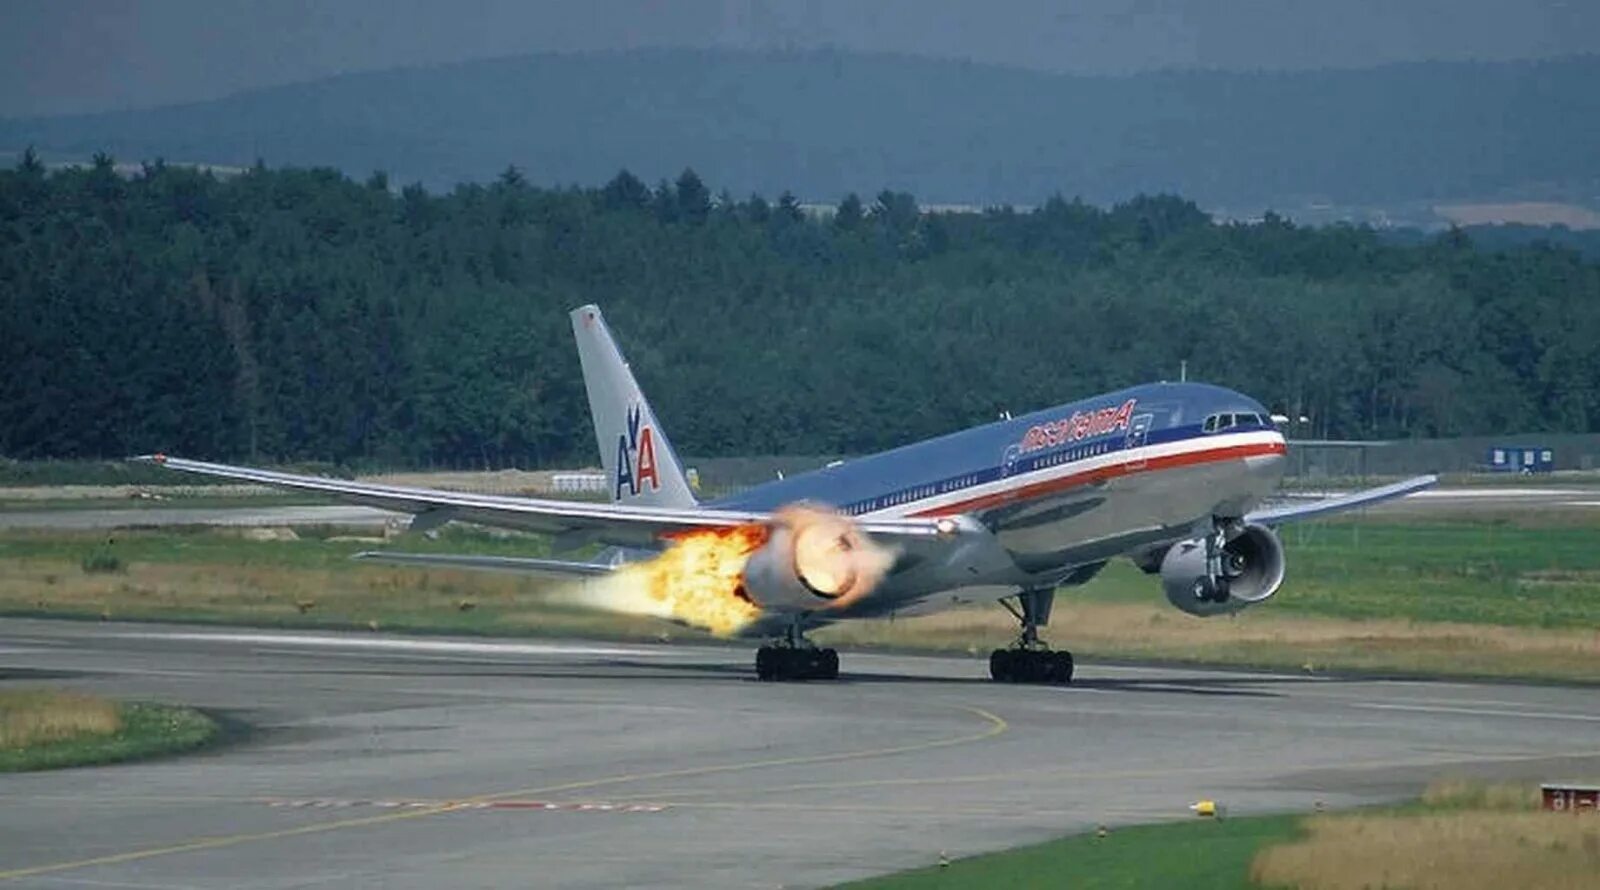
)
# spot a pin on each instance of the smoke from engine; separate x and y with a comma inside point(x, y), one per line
point(721, 580)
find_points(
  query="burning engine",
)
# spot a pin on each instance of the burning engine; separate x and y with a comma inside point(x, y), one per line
point(723, 579)
point(813, 559)
point(1248, 570)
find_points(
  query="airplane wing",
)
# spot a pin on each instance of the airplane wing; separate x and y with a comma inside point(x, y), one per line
point(618, 524)
point(1329, 506)
point(556, 569)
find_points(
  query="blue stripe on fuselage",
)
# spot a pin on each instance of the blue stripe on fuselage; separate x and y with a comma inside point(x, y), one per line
point(978, 456)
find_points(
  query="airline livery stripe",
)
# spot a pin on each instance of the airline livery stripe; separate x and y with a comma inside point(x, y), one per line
point(1110, 471)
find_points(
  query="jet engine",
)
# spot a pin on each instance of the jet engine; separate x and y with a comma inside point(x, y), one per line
point(1251, 567)
point(813, 559)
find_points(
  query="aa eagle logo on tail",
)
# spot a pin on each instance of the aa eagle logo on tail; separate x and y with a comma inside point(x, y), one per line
point(636, 457)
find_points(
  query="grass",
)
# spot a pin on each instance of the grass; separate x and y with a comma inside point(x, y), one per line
point(220, 576)
point(1464, 836)
point(1541, 570)
point(1193, 855)
point(1463, 598)
point(88, 472)
point(1460, 835)
point(1260, 638)
point(49, 729)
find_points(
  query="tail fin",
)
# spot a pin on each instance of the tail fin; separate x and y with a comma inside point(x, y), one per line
point(638, 459)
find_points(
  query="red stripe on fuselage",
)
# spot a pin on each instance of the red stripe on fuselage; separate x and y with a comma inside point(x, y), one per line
point(1101, 474)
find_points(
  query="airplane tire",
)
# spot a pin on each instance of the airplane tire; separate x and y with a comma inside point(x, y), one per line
point(1061, 662)
point(774, 663)
point(1000, 664)
point(1028, 666)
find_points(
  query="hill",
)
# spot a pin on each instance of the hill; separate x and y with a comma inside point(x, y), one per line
point(826, 123)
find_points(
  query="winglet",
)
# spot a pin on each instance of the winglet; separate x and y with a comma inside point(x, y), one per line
point(641, 467)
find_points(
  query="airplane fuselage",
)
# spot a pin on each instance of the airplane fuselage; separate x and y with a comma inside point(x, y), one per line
point(1063, 489)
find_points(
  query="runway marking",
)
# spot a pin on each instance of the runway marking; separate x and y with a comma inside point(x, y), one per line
point(531, 805)
point(1025, 813)
point(996, 726)
point(1481, 712)
point(315, 641)
point(125, 885)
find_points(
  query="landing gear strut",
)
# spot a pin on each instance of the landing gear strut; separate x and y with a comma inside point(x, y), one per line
point(1221, 566)
point(1029, 659)
point(793, 657)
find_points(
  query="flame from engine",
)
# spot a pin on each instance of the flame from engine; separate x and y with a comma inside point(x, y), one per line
point(698, 580)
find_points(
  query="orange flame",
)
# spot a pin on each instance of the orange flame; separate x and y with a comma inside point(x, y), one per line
point(695, 581)
point(699, 579)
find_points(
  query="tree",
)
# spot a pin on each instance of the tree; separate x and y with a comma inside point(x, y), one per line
point(296, 314)
point(897, 211)
point(756, 209)
point(30, 165)
point(625, 192)
point(694, 199)
point(849, 214)
point(788, 209)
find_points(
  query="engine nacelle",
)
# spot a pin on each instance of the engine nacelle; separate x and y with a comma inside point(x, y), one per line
point(1252, 567)
point(813, 559)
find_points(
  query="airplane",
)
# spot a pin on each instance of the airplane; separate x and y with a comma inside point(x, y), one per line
point(1173, 476)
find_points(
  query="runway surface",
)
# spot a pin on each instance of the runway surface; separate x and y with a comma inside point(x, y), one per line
point(382, 761)
point(86, 518)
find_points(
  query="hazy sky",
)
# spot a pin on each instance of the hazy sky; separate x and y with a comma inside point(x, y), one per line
point(60, 56)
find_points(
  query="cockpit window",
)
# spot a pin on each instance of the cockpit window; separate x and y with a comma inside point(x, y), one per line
point(1216, 423)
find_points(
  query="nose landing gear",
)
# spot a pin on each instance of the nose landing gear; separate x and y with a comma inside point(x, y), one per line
point(1221, 568)
point(1029, 659)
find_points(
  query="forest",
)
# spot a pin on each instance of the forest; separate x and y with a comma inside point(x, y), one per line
point(301, 314)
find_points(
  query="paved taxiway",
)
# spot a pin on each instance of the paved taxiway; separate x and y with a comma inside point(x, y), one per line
point(432, 762)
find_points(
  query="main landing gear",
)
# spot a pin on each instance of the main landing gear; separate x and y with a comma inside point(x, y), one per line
point(1031, 660)
point(793, 657)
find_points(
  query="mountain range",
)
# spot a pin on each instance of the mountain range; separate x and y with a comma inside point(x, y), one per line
point(825, 123)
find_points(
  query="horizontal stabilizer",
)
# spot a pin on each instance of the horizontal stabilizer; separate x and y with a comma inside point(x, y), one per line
point(545, 568)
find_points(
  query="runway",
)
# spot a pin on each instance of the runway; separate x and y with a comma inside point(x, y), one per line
point(84, 519)
point(436, 762)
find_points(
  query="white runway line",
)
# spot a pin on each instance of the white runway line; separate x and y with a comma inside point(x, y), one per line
point(1450, 493)
point(450, 647)
point(1482, 712)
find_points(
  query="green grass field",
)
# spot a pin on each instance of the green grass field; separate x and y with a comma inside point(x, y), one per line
point(50, 729)
point(1527, 574)
point(1197, 855)
point(1458, 835)
point(1465, 597)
